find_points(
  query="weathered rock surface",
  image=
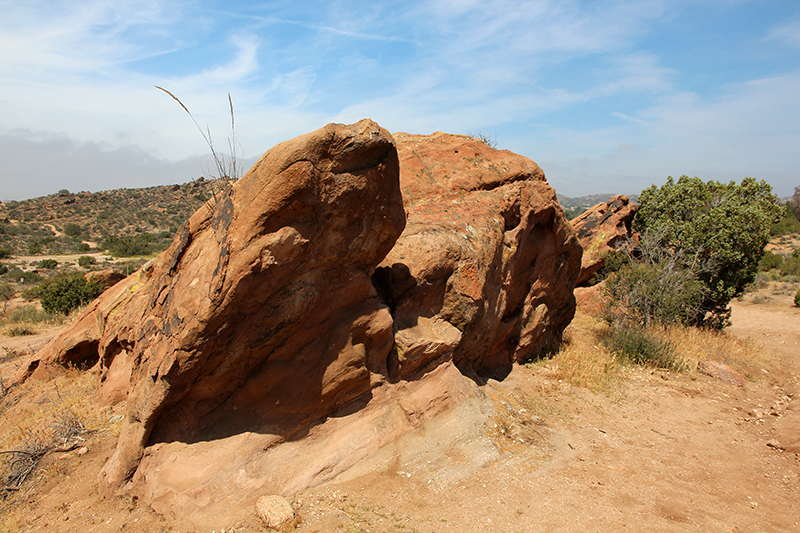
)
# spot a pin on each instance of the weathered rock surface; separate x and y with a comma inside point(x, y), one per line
point(720, 371)
point(105, 278)
point(295, 329)
point(601, 229)
point(484, 271)
point(261, 315)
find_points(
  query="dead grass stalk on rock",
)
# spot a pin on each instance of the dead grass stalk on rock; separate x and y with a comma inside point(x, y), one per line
point(229, 167)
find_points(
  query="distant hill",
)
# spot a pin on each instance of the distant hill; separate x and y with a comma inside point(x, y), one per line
point(588, 201)
point(77, 222)
point(575, 206)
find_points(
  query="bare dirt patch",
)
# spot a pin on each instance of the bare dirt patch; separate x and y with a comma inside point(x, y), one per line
point(648, 451)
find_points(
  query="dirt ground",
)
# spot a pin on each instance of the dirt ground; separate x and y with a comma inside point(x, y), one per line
point(663, 451)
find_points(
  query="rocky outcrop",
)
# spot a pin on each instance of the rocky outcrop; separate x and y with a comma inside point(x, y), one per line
point(298, 295)
point(484, 271)
point(261, 315)
point(105, 278)
point(601, 229)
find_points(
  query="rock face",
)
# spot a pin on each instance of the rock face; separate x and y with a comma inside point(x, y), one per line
point(299, 295)
point(485, 268)
point(601, 229)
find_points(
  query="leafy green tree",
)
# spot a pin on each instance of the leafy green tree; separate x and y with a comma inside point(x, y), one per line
point(5, 252)
point(48, 264)
point(720, 229)
point(62, 294)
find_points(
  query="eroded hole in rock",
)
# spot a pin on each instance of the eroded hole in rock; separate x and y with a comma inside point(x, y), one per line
point(511, 216)
point(82, 356)
point(392, 283)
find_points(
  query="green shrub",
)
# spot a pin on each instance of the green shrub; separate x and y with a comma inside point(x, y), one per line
point(62, 294)
point(34, 248)
point(73, 230)
point(130, 246)
point(797, 298)
point(15, 274)
point(7, 292)
point(18, 331)
point(785, 226)
point(85, 261)
point(653, 286)
point(3, 269)
point(721, 230)
point(637, 345)
point(5, 252)
point(30, 294)
point(791, 266)
point(48, 264)
point(29, 313)
point(770, 261)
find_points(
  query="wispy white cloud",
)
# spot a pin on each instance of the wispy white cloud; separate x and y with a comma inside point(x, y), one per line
point(81, 37)
point(569, 82)
point(787, 32)
point(752, 130)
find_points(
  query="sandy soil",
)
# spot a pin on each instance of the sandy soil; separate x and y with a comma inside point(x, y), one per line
point(669, 452)
point(663, 452)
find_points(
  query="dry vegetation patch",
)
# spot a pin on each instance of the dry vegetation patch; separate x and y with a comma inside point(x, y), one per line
point(586, 359)
point(41, 420)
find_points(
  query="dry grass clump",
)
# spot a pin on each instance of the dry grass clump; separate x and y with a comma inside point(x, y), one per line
point(584, 360)
point(25, 319)
point(44, 417)
point(588, 359)
point(695, 345)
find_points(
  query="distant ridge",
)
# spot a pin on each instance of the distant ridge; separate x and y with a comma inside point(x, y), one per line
point(583, 202)
point(68, 222)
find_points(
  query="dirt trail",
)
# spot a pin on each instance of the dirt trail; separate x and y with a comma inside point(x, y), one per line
point(667, 452)
point(773, 324)
point(670, 452)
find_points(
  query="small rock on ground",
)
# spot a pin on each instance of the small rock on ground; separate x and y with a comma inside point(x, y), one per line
point(276, 512)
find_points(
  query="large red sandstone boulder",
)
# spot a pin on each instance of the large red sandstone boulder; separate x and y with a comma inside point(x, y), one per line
point(484, 271)
point(261, 315)
point(292, 300)
point(602, 229)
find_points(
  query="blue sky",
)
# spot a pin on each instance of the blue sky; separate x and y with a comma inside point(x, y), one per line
point(607, 96)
